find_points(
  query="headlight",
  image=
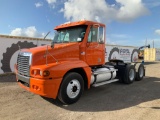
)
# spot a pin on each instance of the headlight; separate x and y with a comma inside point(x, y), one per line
point(44, 73)
point(35, 72)
point(38, 72)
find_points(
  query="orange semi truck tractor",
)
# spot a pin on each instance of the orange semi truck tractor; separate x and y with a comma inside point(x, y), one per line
point(74, 61)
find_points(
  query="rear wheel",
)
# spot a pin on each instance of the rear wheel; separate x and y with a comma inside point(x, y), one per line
point(140, 71)
point(71, 88)
point(130, 74)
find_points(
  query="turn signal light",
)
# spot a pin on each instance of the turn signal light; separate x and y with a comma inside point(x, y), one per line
point(35, 87)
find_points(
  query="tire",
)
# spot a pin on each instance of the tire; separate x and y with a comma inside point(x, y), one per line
point(130, 74)
point(133, 59)
point(111, 53)
point(10, 51)
point(71, 88)
point(120, 73)
point(140, 71)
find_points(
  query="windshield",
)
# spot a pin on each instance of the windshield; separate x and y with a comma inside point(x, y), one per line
point(71, 34)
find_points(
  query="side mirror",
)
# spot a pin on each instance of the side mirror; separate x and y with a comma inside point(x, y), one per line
point(52, 44)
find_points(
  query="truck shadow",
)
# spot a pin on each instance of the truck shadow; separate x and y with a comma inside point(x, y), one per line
point(116, 96)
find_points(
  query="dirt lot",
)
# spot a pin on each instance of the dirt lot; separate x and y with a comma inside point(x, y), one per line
point(138, 101)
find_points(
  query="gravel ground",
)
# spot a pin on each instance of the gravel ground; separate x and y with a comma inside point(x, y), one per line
point(116, 101)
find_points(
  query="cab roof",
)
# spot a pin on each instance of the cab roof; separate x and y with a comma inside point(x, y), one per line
point(82, 22)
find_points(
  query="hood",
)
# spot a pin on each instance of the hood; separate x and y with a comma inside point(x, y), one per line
point(61, 52)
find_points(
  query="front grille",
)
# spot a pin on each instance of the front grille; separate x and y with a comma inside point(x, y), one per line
point(23, 63)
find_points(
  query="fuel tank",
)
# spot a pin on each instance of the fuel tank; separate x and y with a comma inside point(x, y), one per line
point(103, 74)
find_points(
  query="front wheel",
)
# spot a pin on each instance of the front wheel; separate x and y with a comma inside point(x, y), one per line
point(71, 88)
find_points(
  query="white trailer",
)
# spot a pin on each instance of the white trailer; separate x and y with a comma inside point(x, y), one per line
point(126, 53)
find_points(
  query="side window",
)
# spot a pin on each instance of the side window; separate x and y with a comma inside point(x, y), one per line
point(101, 35)
point(93, 35)
point(96, 34)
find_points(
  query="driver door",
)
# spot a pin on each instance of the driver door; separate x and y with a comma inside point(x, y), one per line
point(95, 51)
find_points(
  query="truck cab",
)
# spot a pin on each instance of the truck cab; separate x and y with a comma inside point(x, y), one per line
point(74, 60)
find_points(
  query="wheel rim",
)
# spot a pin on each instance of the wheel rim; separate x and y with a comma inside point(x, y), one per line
point(141, 72)
point(73, 88)
point(131, 74)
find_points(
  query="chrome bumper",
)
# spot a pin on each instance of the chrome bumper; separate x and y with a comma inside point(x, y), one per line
point(24, 79)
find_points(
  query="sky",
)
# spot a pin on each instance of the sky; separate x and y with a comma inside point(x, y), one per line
point(128, 22)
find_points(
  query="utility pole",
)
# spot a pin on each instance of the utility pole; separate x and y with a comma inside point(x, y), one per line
point(146, 42)
point(153, 43)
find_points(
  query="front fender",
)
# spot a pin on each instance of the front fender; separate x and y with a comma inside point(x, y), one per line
point(59, 70)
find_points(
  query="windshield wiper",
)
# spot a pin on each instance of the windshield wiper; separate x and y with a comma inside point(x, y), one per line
point(56, 42)
point(66, 41)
